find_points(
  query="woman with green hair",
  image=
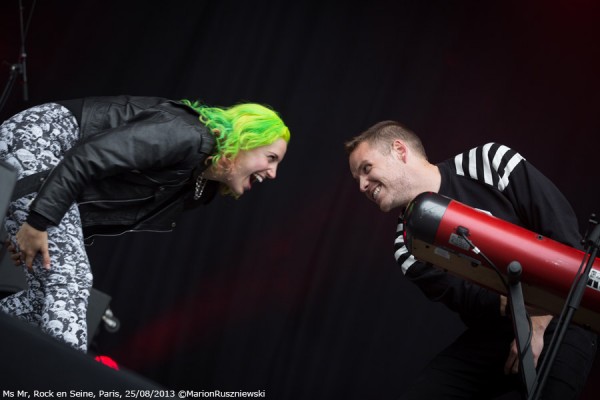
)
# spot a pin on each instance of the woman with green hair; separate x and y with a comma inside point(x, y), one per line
point(108, 165)
point(240, 128)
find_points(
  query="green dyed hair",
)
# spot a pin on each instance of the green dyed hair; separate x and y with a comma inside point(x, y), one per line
point(241, 127)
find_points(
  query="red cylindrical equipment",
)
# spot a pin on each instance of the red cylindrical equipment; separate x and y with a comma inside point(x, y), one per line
point(546, 263)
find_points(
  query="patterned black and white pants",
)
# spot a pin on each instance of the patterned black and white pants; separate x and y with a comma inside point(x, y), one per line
point(56, 300)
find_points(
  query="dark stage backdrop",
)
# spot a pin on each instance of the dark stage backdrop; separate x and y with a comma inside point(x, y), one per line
point(293, 289)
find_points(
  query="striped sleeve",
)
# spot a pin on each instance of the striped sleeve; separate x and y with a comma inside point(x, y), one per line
point(403, 257)
point(491, 163)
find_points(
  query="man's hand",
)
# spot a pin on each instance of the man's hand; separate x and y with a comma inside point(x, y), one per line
point(30, 242)
point(538, 325)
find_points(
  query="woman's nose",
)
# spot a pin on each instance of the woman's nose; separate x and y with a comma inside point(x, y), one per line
point(272, 172)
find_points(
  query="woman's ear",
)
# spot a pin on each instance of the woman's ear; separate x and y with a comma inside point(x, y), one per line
point(225, 165)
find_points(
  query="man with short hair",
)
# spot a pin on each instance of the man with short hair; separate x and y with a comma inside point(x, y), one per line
point(391, 167)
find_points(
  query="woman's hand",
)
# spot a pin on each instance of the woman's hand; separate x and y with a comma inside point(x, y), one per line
point(15, 256)
point(30, 241)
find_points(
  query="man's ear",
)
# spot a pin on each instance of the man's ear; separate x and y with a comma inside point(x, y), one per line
point(400, 149)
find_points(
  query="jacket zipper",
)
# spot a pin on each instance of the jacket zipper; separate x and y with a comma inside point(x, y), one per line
point(115, 201)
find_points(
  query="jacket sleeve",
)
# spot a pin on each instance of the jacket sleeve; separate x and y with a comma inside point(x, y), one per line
point(153, 140)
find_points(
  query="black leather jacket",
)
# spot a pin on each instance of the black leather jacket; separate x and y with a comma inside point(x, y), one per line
point(133, 168)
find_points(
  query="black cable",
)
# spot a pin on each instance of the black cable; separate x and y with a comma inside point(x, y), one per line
point(29, 20)
point(8, 87)
point(463, 232)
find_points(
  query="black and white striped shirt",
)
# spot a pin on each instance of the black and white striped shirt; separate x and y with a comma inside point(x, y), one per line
point(496, 179)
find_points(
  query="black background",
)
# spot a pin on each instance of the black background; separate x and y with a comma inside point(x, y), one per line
point(293, 289)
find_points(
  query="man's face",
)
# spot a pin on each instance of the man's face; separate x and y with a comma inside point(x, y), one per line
point(381, 175)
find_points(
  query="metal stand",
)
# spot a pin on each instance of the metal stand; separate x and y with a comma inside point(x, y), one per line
point(534, 383)
point(592, 243)
point(521, 325)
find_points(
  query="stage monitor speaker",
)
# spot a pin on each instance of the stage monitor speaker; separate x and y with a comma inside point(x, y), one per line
point(32, 360)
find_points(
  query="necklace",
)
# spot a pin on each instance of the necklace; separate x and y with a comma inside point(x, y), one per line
point(200, 185)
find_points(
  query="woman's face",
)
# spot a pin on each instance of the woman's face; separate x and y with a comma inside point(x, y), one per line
point(256, 165)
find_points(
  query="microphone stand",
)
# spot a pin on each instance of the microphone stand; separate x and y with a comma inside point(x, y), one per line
point(572, 304)
point(20, 68)
point(23, 54)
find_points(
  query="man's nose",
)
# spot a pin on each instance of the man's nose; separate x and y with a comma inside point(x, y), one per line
point(363, 184)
